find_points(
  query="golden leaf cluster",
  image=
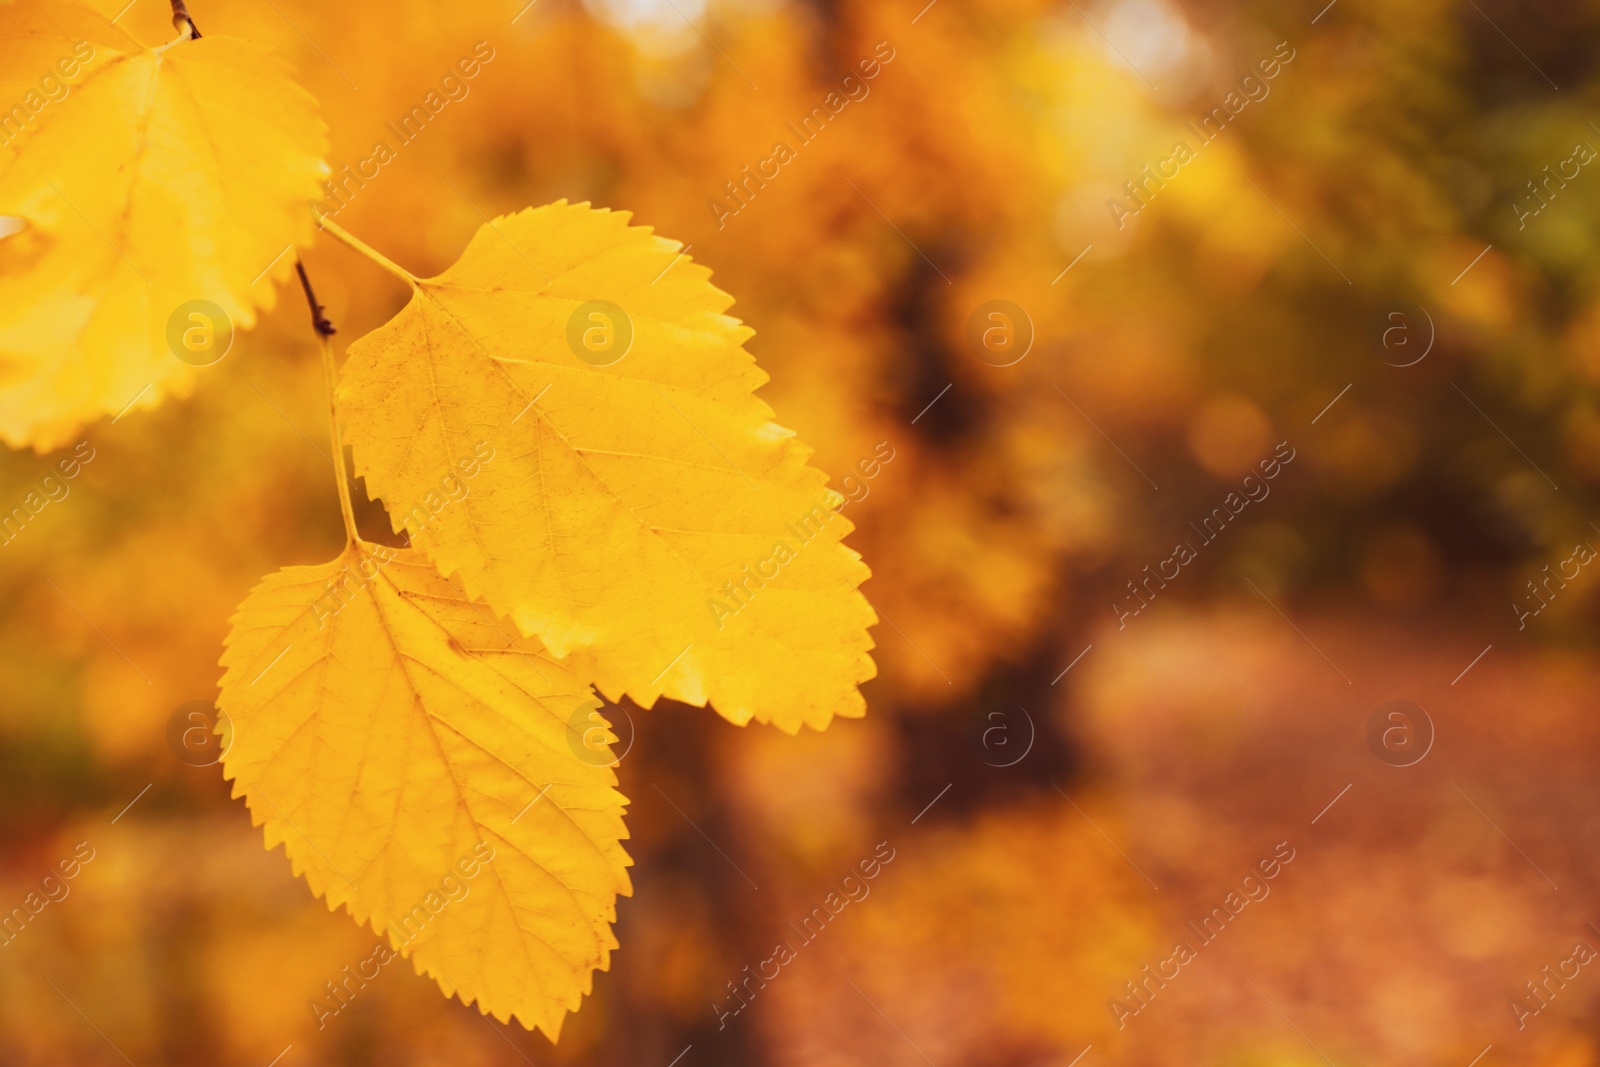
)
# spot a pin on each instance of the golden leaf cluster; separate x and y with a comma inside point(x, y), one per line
point(633, 520)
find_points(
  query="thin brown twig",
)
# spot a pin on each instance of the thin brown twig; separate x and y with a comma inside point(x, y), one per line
point(181, 20)
point(319, 321)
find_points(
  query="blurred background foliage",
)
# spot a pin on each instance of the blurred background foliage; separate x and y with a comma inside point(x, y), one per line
point(1379, 175)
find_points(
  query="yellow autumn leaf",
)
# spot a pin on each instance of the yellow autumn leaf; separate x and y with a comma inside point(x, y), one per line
point(135, 182)
point(644, 516)
point(418, 766)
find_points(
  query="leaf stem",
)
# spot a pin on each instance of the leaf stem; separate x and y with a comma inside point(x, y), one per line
point(367, 250)
point(346, 509)
point(330, 377)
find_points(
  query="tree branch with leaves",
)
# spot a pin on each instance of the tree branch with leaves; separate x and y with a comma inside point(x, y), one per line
point(564, 425)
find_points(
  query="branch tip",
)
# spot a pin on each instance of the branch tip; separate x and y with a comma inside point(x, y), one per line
point(182, 22)
point(319, 321)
